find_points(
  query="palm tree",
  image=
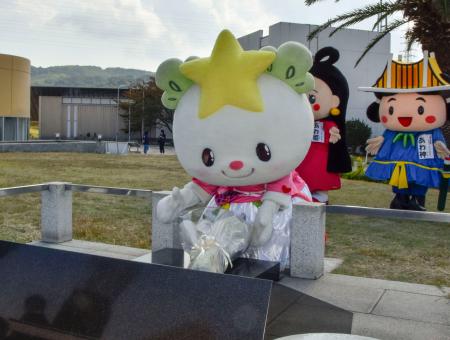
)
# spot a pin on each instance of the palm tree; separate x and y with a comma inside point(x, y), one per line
point(430, 21)
point(429, 25)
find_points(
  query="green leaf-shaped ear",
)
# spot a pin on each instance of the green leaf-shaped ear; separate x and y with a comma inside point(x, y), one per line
point(169, 78)
point(271, 49)
point(292, 64)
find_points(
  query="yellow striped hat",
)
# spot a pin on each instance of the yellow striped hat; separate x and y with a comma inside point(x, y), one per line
point(422, 76)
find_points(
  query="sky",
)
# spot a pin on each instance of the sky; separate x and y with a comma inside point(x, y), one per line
point(142, 33)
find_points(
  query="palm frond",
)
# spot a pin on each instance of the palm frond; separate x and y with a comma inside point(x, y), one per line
point(396, 7)
point(443, 5)
point(410, 39)
point(390, 27)
point(311, 2)
point(383, 17)
point(358, 15)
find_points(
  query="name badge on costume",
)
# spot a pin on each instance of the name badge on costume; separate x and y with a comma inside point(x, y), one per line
point(425, 147)
point(319, 133)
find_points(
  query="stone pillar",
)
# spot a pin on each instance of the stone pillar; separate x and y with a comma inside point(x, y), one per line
point(164, 235)
point(56, 213)
point(308, 240)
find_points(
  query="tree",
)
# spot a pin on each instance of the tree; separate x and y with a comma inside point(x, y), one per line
point(429, 25)
point(357, 133)
point(146, 109)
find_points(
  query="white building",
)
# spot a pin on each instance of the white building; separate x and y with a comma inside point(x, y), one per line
point(350, 43)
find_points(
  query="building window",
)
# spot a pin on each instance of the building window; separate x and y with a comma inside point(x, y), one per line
point(104, 101)
point(1, 127)
point(10, 129)
point(89, 101)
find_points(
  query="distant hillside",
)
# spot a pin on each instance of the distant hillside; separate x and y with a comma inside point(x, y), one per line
point(85, 76)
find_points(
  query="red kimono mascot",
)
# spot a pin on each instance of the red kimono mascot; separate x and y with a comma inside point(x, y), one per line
point(328, 155)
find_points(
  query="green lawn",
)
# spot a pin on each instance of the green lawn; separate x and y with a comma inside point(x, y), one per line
point(390, 249)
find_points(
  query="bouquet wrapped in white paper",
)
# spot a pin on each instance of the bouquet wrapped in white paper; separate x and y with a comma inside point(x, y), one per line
point(214, 239)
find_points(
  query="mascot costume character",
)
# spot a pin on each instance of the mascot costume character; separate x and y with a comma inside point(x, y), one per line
point(242, 123)
point(328, 155)
point(412, 104)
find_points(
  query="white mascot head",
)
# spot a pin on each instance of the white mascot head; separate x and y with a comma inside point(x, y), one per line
point(241, 117)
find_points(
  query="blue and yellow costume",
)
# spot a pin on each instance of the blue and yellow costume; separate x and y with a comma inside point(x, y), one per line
point(408, 160)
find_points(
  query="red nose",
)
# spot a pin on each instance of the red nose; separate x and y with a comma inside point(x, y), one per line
point(236, 165)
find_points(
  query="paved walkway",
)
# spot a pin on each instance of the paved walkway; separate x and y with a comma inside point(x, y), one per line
point(382, 309)
point(154, 150)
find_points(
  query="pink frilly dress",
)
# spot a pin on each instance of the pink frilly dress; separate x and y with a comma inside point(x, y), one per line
point(244, 202)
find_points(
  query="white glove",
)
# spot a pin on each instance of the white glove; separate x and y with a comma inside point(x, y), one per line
point(374, 145)
point(262, 231)
point(335, 135)
point(170, 207)
point(441, 149)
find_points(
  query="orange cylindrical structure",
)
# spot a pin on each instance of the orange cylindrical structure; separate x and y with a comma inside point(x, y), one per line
point(15, 82)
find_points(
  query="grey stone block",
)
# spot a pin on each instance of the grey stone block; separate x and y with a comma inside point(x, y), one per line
point(112, 248)
point(416, 307)
point(63, 246)
point(164, 235)
point(384, 284)
point(113, 255)
point(388, 328)
point(56, 213)
point(94, 248)
point(147, 258)
point(352, 298)
point(307, 240)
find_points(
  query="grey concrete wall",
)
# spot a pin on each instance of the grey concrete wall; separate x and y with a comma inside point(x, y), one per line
point(49, 146)
point(99, 119)
point(50, 118)
point(350, 43)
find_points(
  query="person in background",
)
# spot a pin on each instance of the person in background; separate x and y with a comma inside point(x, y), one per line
point(146, 142)
point(162, 141)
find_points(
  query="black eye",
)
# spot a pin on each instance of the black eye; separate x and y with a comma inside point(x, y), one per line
point(290, 72)
point(420, 110)
point(391, 110)
point(208, 157)
point(174, 86)
point(312, 98)
point(263, 152)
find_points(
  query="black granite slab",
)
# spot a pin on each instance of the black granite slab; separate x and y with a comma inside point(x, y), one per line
point(292, 312)
point(52, 294)
point(242, 266)
point(255, 268)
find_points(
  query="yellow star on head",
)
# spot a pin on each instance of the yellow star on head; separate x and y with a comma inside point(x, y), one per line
point(229, 76)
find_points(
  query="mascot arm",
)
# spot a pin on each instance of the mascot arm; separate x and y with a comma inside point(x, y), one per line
point(271, 204)
point(171, 206)
point(335, 135)
point(441, 149)
point(374, 145)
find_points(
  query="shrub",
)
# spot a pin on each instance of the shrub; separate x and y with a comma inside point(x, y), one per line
point(357, 134)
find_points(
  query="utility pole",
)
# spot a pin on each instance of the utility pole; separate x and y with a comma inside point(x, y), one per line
point(382, 25)
point(117, 118)
point(129, 122)
point(143, 109)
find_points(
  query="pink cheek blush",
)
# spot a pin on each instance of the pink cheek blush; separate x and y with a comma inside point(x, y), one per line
point(316, 107)
point(384, 119)
point(430, 119)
